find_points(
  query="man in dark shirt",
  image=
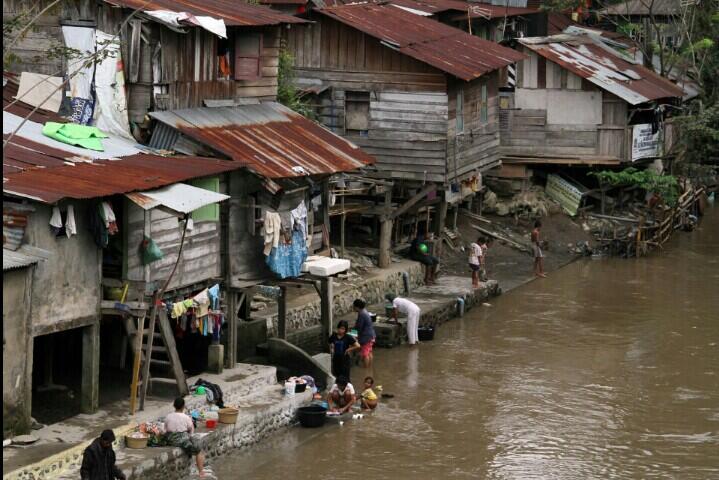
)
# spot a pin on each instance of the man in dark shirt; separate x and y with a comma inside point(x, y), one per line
point(419, 252)
point(98, 460)
point(365, 332)
point(342, 344)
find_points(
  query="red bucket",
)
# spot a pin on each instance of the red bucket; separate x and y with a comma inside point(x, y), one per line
point(211, 423)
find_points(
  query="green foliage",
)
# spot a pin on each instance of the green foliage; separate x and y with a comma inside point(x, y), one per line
point(665, 185)
point(699, 139)
point(287, 93)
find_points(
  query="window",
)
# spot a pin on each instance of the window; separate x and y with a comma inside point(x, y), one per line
point(460, 110)
point(483, 105)
point(208, 213)
point(357, 113)
point(248, 54)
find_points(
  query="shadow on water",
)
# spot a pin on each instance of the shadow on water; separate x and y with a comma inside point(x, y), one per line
point(607, 369)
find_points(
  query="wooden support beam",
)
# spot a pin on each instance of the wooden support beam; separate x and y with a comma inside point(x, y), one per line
point(326, 209)
point(412, 201)
point(282, 313)
point(326, 302)
point(385, 234)
point(440, 223)
point(90, 381)
point(232, 307)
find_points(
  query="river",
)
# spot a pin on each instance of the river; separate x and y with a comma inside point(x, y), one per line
point(606, 369)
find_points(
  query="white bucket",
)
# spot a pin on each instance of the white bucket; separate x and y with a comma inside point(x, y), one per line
point(289, 388)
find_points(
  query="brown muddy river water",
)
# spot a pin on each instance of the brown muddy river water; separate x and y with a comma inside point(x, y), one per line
point(606, 369)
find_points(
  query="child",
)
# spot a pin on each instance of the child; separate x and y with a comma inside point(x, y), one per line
point(475, 256)
point(537, 250)
point(369, 398)
point(483, 259)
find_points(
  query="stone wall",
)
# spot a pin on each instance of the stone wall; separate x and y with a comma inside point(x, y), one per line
point(371, 290)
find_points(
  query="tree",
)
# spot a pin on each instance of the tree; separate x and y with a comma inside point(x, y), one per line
point(287, 92)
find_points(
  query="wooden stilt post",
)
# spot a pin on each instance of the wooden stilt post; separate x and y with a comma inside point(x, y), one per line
point(282, 313)
point(326, 209)
point(342, 227)
point(231, 354)
point(326, 301)
point(90, 388)
point(385, 233)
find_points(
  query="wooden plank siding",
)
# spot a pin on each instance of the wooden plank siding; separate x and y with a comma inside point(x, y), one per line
point(477, 147)
point(555, 121)
point(201, 259)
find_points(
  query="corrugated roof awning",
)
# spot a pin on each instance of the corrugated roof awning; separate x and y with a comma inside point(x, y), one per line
point(24, 256)
point(180, 198)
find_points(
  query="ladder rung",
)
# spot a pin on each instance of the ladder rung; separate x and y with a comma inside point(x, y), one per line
point(164, 363)
point(156, 348)
point(167, 381)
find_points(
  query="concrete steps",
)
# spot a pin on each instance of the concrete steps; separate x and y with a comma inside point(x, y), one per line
point(253, 388)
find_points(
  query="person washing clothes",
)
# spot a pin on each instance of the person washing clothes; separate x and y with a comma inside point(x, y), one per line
point(180, 430)
point(341, 347)
point(341, 396)
point(365, 332)
point(402, 305)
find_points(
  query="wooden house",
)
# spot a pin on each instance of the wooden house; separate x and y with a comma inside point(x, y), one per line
point(170, 60)
point(418, 95)
point(579, 101)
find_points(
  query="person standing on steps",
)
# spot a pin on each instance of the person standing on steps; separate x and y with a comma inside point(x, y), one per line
point(365, 332)
point(98, 460)
point(413, 313)
point(537, 250)
point(342, 345)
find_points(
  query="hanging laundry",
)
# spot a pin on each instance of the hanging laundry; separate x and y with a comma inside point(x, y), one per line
point(97, 226)
point(70, 226)
point(56, 220)
point(108, 216)
point(286, 259)
point(214, 293)
point(299, 218)
point(271, 231)
point(316, 202)
point(178, 309)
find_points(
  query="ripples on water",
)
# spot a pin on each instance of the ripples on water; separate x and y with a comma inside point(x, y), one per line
point(607, 369)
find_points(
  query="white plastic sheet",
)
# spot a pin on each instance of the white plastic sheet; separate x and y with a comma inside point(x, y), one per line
point(111, 111)
point(81, 72)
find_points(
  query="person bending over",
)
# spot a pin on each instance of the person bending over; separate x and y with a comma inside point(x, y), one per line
point(342, 396)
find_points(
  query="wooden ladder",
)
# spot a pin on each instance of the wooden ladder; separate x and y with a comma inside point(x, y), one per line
point(168, 347)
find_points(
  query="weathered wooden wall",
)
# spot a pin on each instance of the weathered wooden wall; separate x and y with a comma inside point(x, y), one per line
point(407, 113)
point(201, 259)
point(188, 61)
point(555, 112)
point(477, 146)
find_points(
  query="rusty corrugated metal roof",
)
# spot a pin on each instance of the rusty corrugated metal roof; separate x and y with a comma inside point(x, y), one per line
point(643, 8)
point(446, 48)
point(268, 139)
point(232, 12)
point(41, 172)
point(485, 10)
point(591, 59)
point(23, 257)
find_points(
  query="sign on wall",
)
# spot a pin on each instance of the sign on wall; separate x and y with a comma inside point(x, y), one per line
point(644, 143)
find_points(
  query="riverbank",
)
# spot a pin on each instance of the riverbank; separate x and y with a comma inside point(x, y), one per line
point(264, 409)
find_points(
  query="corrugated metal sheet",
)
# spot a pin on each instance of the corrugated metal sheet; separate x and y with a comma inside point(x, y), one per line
point(443, 47)
point(23, 257)
point(483, 10)
point(269, 139)
point(591, 59)
point(179, 197)
point(232, 12)
point(114, 146)
point(39, 172)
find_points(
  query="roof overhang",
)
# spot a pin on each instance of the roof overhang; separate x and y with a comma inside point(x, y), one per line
point(178, 199)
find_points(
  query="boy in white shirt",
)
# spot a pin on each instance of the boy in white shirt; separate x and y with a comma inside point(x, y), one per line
point(475, 261)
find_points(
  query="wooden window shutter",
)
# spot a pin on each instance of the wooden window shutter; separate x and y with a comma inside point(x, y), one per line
point(248, 55)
